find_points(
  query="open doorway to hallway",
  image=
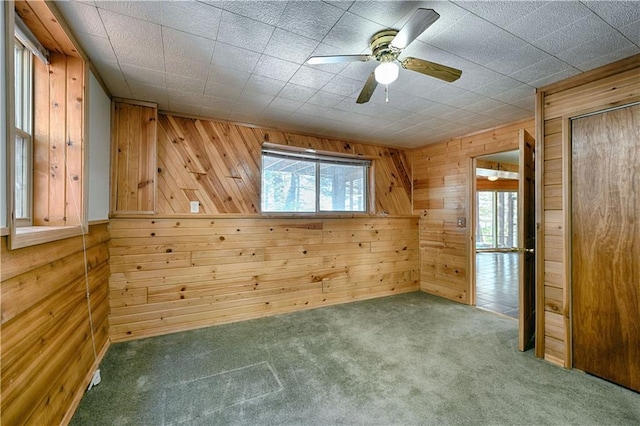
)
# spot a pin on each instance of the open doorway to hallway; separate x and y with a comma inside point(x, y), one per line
point(496, 233)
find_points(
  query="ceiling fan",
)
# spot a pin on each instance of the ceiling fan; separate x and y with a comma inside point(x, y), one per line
point(386, 47)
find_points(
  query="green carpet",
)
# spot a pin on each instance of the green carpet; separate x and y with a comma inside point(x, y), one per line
point(406, 359)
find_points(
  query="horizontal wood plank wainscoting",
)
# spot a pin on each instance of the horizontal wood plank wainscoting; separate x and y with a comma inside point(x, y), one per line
point(174, 271)
point(607, 87)
point(47, 350)
point(441, 187)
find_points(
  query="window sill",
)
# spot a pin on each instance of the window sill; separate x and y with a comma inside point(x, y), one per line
point(33, 235)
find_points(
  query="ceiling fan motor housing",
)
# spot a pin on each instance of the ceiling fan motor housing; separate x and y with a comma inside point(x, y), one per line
point(381, 49)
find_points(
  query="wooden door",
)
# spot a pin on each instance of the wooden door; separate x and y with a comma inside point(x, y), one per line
point(606, 245)
point(526, 241)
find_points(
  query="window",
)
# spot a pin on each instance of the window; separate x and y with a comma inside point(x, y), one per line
point(23, 149)
point(497, 220)
point(307, 182)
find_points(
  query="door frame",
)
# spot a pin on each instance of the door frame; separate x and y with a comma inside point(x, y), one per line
point(471, 231)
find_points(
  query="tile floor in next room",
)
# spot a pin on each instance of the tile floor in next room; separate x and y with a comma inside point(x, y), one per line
point(497, 282)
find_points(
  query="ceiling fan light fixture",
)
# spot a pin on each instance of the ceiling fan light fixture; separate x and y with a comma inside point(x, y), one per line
point(387, 72)
point(493, 178)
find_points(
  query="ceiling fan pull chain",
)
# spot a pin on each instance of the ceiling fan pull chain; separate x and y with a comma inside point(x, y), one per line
point(386, 93)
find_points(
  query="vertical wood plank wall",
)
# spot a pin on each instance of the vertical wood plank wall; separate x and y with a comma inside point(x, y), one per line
point(46, 349)
point(175, 271)
point(133, 158)
point(57, 140)
point(612, 85)
point(441, 185)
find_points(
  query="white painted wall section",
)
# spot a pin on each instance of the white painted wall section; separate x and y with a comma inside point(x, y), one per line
point(99, 150)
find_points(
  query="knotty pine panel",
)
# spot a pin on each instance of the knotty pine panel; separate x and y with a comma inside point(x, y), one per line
point(605, 87)
point(218, 164)
point(47, 352)
point(170, 275)
point(441, 195)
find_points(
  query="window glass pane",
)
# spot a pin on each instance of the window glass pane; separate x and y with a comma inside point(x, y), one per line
point(484, 237)
point(342, 187)
point(22, 178)
point(18, 84)
point(288, 185)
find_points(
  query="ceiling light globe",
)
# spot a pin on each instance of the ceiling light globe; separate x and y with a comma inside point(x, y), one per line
point(493, 178)
point(386, 72)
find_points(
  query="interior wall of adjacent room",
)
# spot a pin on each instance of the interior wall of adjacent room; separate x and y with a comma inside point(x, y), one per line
point(441, 187)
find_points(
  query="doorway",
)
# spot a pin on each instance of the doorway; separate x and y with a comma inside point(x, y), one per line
point(496, 233)
point(502, 259)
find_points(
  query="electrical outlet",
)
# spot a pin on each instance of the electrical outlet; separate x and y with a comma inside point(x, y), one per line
point(195, 206)
point(462, 222)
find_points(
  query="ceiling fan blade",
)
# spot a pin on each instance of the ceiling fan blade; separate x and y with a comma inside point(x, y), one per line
point(337, 59)
point(431, 69)
point(368, 89)
point(419, 21)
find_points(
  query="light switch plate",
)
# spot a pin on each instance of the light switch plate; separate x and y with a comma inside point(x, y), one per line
point(462, 222)
point(195, 206)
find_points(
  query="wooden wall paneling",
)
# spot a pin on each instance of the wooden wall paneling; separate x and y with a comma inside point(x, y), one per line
point(57, 140)
point(196, 272)
point(134, 157)
point(74, 152)
point(41, 142)
point(441, 194)
point(46, 348)
point(609, 86)
point(38, 16)
point(219, 164)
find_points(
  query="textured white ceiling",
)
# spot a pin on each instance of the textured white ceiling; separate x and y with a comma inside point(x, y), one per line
point(244, 60)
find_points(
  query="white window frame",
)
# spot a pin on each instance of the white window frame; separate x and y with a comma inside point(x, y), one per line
point(318, 158)
point(23, 87)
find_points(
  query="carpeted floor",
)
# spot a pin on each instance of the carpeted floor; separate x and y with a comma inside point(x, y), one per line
point(406, 359)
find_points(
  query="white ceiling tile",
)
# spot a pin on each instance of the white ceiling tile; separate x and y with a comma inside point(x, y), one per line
point(84, 18)
point(147, 49)
point(514, 95)
point(359, 71)
point(602, 46)
point(587, 28)
point(552, 78)
point(244, 32)
point(185, 108)
point(296, 92)
point(616, 13)
point(268, 12)
point(179, 43)
point(609, 58)
point(187, 67)
point(252, 101)
point(632, 31)
point(192, 17)
point(547, 19)
point(215, 102)
point(275, 68)
point(228, 76)
point(234, 57)
point(145, 10)
point(517, 59)
point(352, 34)
point(146, 76)
point(340, 85)
point(215, 113)
point(222, 90)
point(275, 115)
point(541, 69)
point(289, 46)
point(501, 84)
point(385, 13)
point(264, 85)
point(148, 93)
point(113, 78)
point(325, 99)
point(483, 105)
point(311, 19)
point(344, 5)
point(450, 13)
point(501, 13)
point(98, 49)
point(285, 104)
point(181, 97)
point(180, 82)
point(310, 77)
